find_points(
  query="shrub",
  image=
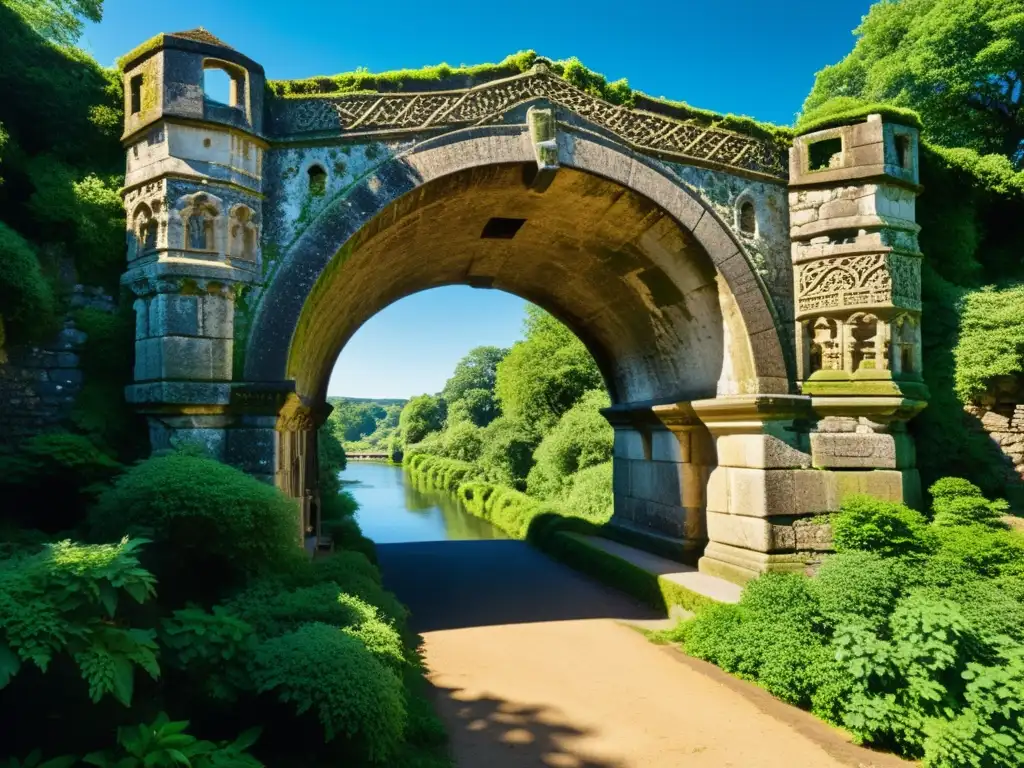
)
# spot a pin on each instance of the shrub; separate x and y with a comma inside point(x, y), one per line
point(333, 675)
point(956, 501)
point(272, 611)
point(57, 475)
point(582, 438)
point(219, 527)
point(441, 473)
point(590, 493)
point(507, 455)
point(463, 441)
point(25, 294)
point(355, 575)
point(857, 585)
point(967, 552)
point(63, 600)
point(885, 527)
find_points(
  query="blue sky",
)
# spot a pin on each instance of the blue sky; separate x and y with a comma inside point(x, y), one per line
point(753, 57)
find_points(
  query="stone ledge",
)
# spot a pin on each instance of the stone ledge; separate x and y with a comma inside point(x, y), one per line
point(681, 576)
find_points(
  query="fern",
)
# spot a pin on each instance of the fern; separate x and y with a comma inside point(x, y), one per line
point(64, 600)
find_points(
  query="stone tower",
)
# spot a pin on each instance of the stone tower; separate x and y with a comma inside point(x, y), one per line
point(192, 194)
point(857, 274)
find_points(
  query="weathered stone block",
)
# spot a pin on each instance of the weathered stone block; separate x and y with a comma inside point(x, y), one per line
point(761, 451)
point(857, 450)
point(665, 446)
point(740, 565)
point(184, 357)
point(620, 477)
point(629, 444)
point(218, 314)
point(174, 315)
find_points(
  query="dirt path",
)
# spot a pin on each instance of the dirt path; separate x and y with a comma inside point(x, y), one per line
point(532, 668)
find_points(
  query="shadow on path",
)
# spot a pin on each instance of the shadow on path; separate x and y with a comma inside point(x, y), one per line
point(460, 584)
point(488, 731)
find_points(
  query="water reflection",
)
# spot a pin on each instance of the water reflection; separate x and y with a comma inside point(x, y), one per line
point(394, 507)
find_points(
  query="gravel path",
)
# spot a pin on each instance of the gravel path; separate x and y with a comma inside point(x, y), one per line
point(532, 666)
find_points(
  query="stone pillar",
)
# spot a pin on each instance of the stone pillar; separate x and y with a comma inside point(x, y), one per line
point(193, 199)
point(660, 466)
point(857, 273)
point(762, 487)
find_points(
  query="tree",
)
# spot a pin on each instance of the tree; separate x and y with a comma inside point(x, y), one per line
point(582, 438)
point(57, 20)
point(469, 392)
point(544, 375)
point(420, 416)
point(959, 63)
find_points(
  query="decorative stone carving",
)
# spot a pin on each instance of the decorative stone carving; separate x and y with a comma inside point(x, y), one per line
point(243, 233)
point(194, 224)
point(487, 103)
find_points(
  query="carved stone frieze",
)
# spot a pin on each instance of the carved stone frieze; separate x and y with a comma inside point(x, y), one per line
point(366, 114)
point(859, 280)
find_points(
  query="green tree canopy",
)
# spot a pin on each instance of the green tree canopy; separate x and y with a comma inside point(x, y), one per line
point(544, 375)
point(469, 392)
point(57, 20)
point(959, 63)
point(420, 416)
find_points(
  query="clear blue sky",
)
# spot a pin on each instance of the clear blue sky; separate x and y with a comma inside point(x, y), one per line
point(753, 57)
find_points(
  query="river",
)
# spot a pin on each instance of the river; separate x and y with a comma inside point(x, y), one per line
point(393, 508)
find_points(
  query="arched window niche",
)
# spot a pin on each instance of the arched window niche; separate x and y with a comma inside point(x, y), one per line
point(746, 215)
point(317, 180)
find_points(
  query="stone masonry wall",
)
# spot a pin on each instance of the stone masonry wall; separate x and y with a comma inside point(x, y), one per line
point(1005, 426)
point(39, 382)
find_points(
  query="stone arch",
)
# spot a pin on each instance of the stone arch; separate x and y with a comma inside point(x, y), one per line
point(753, 360)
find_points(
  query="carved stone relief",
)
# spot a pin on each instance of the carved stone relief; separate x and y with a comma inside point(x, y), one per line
point(487, 103)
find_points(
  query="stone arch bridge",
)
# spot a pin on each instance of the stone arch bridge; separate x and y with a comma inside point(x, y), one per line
point(754, 306)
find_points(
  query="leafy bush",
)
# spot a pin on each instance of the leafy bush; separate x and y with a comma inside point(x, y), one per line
point(164, 744)
point(991, 339)
point(858, 585)
point(272, 611)
point(211, 648)
point(26, 296)
point(959, 502)
point(57, 475)
point(885, 527)
point(443, 474)
point(331, 674)
point(507, 455)
point(64, 600)
point(582, 438)
point(589, 494)
point(217, 526)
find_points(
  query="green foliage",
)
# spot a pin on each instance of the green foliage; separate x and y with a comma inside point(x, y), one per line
point(420, 416)
point(590, 493)
point(352, 420)
point(273, 611)
point(444, 474)
point(544, 375)
point(857, 585)
point(320, 669)
point(64, 600)
point(582, 438)
point(49, 481)
point(462, 441)
point(100, 410)
point(58, 20)
point(507, 454)
point(991, 343)
point(850, 110)
point(885, 527)
point(469, 392)
point(956, 63)
point(216, 526)
point(26, 296)
point(164, 744)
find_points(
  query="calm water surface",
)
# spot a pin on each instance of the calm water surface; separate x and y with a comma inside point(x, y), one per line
point(393, 508)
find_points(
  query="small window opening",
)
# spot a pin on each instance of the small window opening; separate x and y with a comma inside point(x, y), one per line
point(499, 228)
point(218, 86)
point(317, 180)
point(135, 88)
point(748, 218)
point(207, 143)
point(647, 443)
point(824, 154)
point(903, 150)
point(907, 359)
